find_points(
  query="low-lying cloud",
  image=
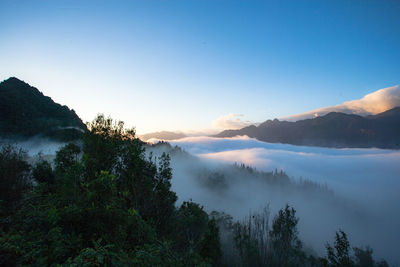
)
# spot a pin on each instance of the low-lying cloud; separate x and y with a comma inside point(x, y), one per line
point(310, 162)
point(365, 183)
point(373, 103)
point(35, 145)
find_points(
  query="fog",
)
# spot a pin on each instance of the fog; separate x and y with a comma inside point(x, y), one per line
point(365, 184)
point(35, 145)
point(355, 190)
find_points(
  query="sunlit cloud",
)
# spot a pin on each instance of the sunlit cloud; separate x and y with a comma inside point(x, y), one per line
point(249, 157)
point(231, 121)
point(371, 168)
point(373, 103)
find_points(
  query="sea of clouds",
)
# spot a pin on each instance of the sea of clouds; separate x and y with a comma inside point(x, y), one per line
point(365, 182)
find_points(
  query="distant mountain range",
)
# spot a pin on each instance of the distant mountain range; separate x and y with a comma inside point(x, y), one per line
point(25, 112)
point(331, 130)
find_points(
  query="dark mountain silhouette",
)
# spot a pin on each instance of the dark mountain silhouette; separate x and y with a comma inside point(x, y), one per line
point(332, 130)
point(26, 112)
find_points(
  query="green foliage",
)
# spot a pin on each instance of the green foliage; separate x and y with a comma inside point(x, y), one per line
point(99, 255)
point(192, 224)
point(42, 172)
point(13, 176)
point(101, 190)
point(157, 254)
point(103, 143)
point(163, 198)
point(66, 157)
point(210, 245)
point(109, 207)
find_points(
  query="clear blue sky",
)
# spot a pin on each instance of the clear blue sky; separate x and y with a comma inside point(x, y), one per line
point(168, 65)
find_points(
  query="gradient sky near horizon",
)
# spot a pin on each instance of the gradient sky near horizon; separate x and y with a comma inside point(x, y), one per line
point(179, 65)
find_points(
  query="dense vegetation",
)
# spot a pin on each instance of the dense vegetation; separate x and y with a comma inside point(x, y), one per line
point(332, 130)
point(259, 241)
point(106, 204)
point(26, 112)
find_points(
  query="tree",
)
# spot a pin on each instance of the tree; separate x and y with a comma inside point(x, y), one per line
point(286, 246)
point(364, 257)
point(251, 238)
point(14, 171)
point(66, 157)
point(192, 223)
point(382, 263)
point(230, 255)
point(163, 198)
point(102, 144)
point(42, 172)
point(210, 245)
point(110, 207)
point(338, 256)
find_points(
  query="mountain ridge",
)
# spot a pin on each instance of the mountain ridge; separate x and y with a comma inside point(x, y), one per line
point(335, 129)
point(27, 112)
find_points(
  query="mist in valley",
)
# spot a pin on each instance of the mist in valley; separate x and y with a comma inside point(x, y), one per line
point(354, 190)
point(35, 145)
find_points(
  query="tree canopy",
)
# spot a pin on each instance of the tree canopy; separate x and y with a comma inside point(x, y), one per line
point(103, 202)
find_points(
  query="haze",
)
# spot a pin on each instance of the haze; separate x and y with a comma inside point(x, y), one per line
point(365, 185)
point(181, 65)
point(191, 69)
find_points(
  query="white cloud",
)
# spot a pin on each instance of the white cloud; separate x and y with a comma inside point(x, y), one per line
point(373, 103)
point(365, 183)
point(231, 122)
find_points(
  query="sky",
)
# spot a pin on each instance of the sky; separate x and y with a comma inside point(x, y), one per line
point(182, 65)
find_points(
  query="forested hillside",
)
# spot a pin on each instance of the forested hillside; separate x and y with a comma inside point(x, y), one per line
point(26, 112)
point(106, 204)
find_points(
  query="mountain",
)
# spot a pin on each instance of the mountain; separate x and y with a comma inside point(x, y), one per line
point(26, 112)
point(371, 104)
point(334, 129)
point(163, 135)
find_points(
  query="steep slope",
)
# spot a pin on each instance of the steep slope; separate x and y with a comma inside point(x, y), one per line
point(26, 112)
point(332, 130)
